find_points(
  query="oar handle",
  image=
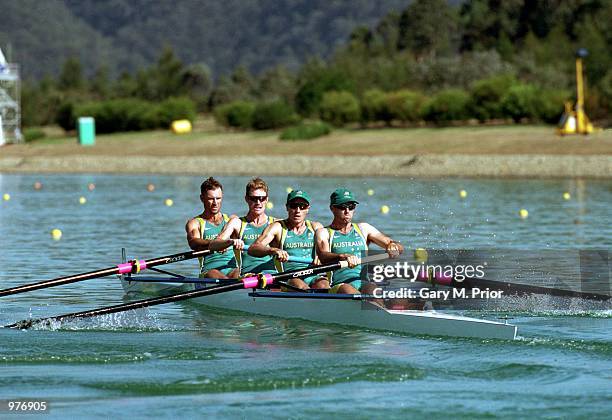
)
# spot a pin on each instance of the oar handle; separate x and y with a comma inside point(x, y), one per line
point(300, 260)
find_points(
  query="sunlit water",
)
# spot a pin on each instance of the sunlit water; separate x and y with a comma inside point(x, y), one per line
point(183, 359)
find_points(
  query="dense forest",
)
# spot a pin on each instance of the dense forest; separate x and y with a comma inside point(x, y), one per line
point(125, 35)
point(432, 61)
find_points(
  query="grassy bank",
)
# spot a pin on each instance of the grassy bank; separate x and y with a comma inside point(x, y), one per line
point(209, 140)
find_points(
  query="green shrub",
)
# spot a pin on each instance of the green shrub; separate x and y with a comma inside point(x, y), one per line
point(486, 98)
point(270, 115)
point(309, 96)
point(235, 114)
point(120, 115)
point(31, 134)
point(404, 105)
point(65, 116)
point(605, 87)
point(551, 104)
point(339, 108)
point(374, 106)
point(306, 131)
point(175, 109)
point(448, 105)
point(521, 101)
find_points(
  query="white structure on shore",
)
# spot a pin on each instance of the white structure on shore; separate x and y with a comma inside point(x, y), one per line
point(10, 102)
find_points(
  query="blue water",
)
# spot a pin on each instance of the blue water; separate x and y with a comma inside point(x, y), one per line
point(181, 359)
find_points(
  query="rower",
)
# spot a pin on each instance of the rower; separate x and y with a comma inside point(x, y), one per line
point(243, 231)
point(205, 227)
point(344, 240)
point(291, 238)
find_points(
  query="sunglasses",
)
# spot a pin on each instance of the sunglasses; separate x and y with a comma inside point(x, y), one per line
point(349, 206)
point(256, 198)
point(301, 206)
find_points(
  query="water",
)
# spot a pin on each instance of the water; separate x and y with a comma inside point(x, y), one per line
point(179, 359)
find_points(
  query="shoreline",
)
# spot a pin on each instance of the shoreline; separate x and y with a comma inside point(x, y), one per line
point(415, 165)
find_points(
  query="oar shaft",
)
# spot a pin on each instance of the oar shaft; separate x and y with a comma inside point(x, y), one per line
point(123, 268)
point(300, 260)
point(129, 306)
point(511, 288)
point(59, 281)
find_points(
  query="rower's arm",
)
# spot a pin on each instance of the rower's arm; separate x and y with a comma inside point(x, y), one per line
point(225, 238)
point(261, 247)
point(322, 248)
point(194, 236)
point(326, 256)
point(316, 226)
point(393, 248)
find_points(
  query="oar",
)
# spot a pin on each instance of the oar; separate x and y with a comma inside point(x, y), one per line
point(178, 280)
point(261, 281)
point(506, 287)
point(300, 260)
point(124, 268)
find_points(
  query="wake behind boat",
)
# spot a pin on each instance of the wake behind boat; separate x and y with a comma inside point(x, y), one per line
point(338, 309)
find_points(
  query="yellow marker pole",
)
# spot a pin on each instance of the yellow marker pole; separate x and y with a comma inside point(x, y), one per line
point(580, 116)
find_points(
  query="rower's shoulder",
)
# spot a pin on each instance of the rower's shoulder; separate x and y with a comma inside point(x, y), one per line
point(366, 228)
point(234, 220)
point(316, 225)
point(193, 221)
point(321, 231)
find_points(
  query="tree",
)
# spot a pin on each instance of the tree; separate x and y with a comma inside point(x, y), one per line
point(100, 83)
point(484, 22)
point(168, 75)
point(71, 76)
point(428, 27)
point(197, 83)
point(318, 80)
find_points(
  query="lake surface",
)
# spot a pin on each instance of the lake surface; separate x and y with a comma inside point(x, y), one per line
point(182, 359)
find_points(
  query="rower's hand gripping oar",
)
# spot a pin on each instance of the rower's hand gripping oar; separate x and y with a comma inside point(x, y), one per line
point(133, 267)
point(260, 280)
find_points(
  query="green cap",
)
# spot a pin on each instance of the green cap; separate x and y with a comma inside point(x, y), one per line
point(298, 194)
point(342, 196)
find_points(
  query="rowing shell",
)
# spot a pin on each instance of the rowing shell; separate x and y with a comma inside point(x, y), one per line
point(346, 310)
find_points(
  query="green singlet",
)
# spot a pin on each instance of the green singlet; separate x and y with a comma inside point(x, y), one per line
point(248, 264)
point(223, 261)
point(299, 246)
point(352, 243)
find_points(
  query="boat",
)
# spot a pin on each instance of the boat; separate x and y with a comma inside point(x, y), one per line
point(337, 309)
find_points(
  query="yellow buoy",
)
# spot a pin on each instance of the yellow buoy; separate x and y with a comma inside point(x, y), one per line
point(91, 186)
point(38, 185)
point(420, 254)
point(56, 234)
point(169, 202)
point(181, 126)
point(269, 205)
point(370, 191)
point(384, 209)
point(463, 193)
point(566, 196)
point(151, 187)
point(289, 189)
point(6, 196)
point(523, 213)
point(82, 200)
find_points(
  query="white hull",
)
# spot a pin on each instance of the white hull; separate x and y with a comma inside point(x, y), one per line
point(345, 312)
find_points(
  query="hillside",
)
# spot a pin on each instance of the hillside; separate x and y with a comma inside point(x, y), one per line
point(125, 35)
